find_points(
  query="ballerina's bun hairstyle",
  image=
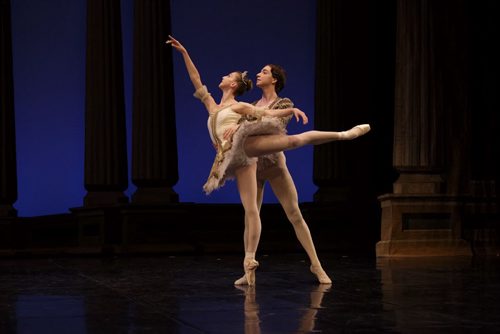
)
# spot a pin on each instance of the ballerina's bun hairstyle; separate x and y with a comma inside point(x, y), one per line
point(244, 84)
point(279, 74)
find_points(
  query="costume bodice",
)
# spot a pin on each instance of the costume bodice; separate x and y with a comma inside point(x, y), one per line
point(219, 121)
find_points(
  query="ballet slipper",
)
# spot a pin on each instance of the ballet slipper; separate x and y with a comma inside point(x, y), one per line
point(241, 281)
point(320, 275)
point(355, 132)
point(250, 266)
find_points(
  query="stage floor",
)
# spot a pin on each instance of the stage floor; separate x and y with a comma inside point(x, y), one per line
point(190, 294)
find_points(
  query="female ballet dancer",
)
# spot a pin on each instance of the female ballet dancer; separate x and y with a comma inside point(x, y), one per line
point(237, 158)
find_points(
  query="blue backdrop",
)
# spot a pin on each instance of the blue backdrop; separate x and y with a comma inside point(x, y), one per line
point(49, 82)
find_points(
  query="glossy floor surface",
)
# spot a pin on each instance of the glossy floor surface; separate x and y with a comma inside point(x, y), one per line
point(189, 294)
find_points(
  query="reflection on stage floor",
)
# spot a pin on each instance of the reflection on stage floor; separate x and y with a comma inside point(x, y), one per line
point(195, 294)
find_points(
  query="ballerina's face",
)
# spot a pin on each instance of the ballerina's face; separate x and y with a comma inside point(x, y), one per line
point(229, 81)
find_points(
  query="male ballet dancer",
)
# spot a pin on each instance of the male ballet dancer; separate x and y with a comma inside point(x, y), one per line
point(271, 80)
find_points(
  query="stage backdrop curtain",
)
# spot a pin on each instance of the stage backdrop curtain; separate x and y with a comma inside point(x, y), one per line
point(8, 173)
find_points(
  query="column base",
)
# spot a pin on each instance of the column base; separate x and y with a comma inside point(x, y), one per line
point(99, 228)
point(418, 248)
point(7, 211)
point(155, 195)
point(415, 181)
point(104, 199)
point(422, 225)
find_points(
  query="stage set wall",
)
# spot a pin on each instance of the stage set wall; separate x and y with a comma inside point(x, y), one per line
point(104, 149)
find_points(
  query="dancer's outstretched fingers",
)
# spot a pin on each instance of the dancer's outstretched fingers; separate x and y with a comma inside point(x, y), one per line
point(300, 114)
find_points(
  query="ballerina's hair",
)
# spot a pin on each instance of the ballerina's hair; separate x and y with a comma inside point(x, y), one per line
point(244, 83)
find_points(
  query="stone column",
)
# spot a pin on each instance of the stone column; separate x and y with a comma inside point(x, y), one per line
point(420, 217)
point(105, 136)
point(8, 172)
point(154, 144)
point(418, 124)
point(342, 97)
point(327, 165)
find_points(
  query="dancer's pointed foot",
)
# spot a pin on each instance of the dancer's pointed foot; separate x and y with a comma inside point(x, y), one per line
point(250, 266)
point(241, 281)
point(320, 275)
point(355, 132)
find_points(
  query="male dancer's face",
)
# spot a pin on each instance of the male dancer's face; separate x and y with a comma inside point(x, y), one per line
point(265, 77)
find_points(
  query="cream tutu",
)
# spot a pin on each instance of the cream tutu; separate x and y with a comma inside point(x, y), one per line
point(232, 158)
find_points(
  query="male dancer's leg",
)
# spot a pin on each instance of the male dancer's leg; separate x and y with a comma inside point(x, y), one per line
point(286, 192)
point(282, 184)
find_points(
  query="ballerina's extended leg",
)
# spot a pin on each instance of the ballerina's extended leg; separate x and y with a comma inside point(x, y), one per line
point(266, 144)
point(355, 132)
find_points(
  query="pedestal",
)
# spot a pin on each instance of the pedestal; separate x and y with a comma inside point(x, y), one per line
point(422, 225)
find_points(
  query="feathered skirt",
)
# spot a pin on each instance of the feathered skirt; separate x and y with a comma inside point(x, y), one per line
point(227, 162)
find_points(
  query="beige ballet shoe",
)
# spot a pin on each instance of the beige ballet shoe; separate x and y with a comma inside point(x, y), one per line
point(355, 132)
point(250, 266)
point(320, 275)
point(241, 281)
point(362, 129)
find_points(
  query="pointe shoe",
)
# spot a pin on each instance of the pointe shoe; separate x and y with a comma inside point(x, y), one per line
point(250, 266)
point(355, 132)
point(241, 281)
point(362, 129)
point(320, 275)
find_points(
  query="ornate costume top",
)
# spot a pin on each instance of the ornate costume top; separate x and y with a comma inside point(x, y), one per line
point(231, 153)
point(218, 122)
